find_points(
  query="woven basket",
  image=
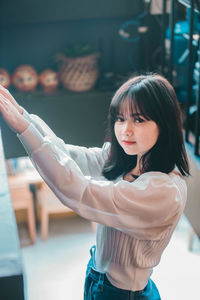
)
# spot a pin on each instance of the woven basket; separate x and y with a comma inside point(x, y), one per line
point(79, 74)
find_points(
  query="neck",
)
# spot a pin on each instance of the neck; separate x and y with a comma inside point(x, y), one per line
point(136, 170)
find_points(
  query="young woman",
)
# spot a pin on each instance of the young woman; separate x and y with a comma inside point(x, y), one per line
point(133, 187)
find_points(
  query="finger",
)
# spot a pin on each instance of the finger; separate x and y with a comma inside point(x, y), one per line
point(7, 104)
point(3, 108)
point(4, 98)
point(6, 93)
point(4, 105)
point(3, 89)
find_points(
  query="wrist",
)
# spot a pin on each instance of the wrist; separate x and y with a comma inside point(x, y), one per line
point(23, 126)
point(21, 110)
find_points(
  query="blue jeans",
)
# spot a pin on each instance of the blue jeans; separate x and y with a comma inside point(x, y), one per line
point(98, 287)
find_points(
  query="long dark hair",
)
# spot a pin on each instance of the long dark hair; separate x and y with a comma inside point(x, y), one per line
point(153, 97)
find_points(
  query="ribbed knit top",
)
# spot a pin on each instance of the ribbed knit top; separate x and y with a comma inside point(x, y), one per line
point(135, 220)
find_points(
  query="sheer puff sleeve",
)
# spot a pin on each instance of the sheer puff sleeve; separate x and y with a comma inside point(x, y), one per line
point(89, 160)
point(145, 208)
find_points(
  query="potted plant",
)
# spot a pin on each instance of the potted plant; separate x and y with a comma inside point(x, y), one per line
point(78, 67)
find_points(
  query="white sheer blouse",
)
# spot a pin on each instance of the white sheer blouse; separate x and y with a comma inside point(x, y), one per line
point(135, 220)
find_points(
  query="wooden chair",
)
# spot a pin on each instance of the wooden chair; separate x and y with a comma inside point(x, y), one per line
point(22, 199)
point(48, 204)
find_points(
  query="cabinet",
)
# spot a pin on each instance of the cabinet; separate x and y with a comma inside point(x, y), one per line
point(21, 11)
point(193, 39)
point(32, 32)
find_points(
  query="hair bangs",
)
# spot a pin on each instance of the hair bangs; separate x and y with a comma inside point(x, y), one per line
point(132, 102)
point(136, 105)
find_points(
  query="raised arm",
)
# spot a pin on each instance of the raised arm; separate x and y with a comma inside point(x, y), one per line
point(90, 160)
point(145, 208)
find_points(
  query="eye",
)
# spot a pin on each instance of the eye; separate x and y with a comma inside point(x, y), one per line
point(139, 120)
point(20, 80)
point(119, 119)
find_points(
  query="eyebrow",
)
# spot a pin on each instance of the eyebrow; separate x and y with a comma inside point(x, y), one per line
point(132, 115)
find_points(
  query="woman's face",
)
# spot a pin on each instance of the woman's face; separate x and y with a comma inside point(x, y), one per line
point(134, 133)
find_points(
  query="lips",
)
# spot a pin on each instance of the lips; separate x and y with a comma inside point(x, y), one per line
point(128, 142)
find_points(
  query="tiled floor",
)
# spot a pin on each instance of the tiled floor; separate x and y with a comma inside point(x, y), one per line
point(55, 269)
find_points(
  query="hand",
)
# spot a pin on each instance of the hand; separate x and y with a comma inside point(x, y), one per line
point(10, 98)
point(11, 113)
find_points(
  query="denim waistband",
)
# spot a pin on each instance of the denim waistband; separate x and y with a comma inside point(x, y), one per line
point(101, 278)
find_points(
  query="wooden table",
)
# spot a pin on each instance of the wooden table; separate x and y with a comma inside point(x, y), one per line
point(47, 202)
point(27, 177)
point(23, 197)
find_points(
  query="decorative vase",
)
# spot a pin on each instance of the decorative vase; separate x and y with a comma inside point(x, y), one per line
point(25, 78)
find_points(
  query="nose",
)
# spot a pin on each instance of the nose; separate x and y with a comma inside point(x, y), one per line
point(128, 128)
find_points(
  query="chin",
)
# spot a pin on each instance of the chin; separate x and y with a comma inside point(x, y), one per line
point(129, 152)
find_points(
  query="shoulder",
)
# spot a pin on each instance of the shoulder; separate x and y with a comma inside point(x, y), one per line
point(172, 184)
point(156, 179)
point(160, 177)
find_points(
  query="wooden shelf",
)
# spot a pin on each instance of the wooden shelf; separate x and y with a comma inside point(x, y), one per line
point(37, 11)
point(187, 4)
